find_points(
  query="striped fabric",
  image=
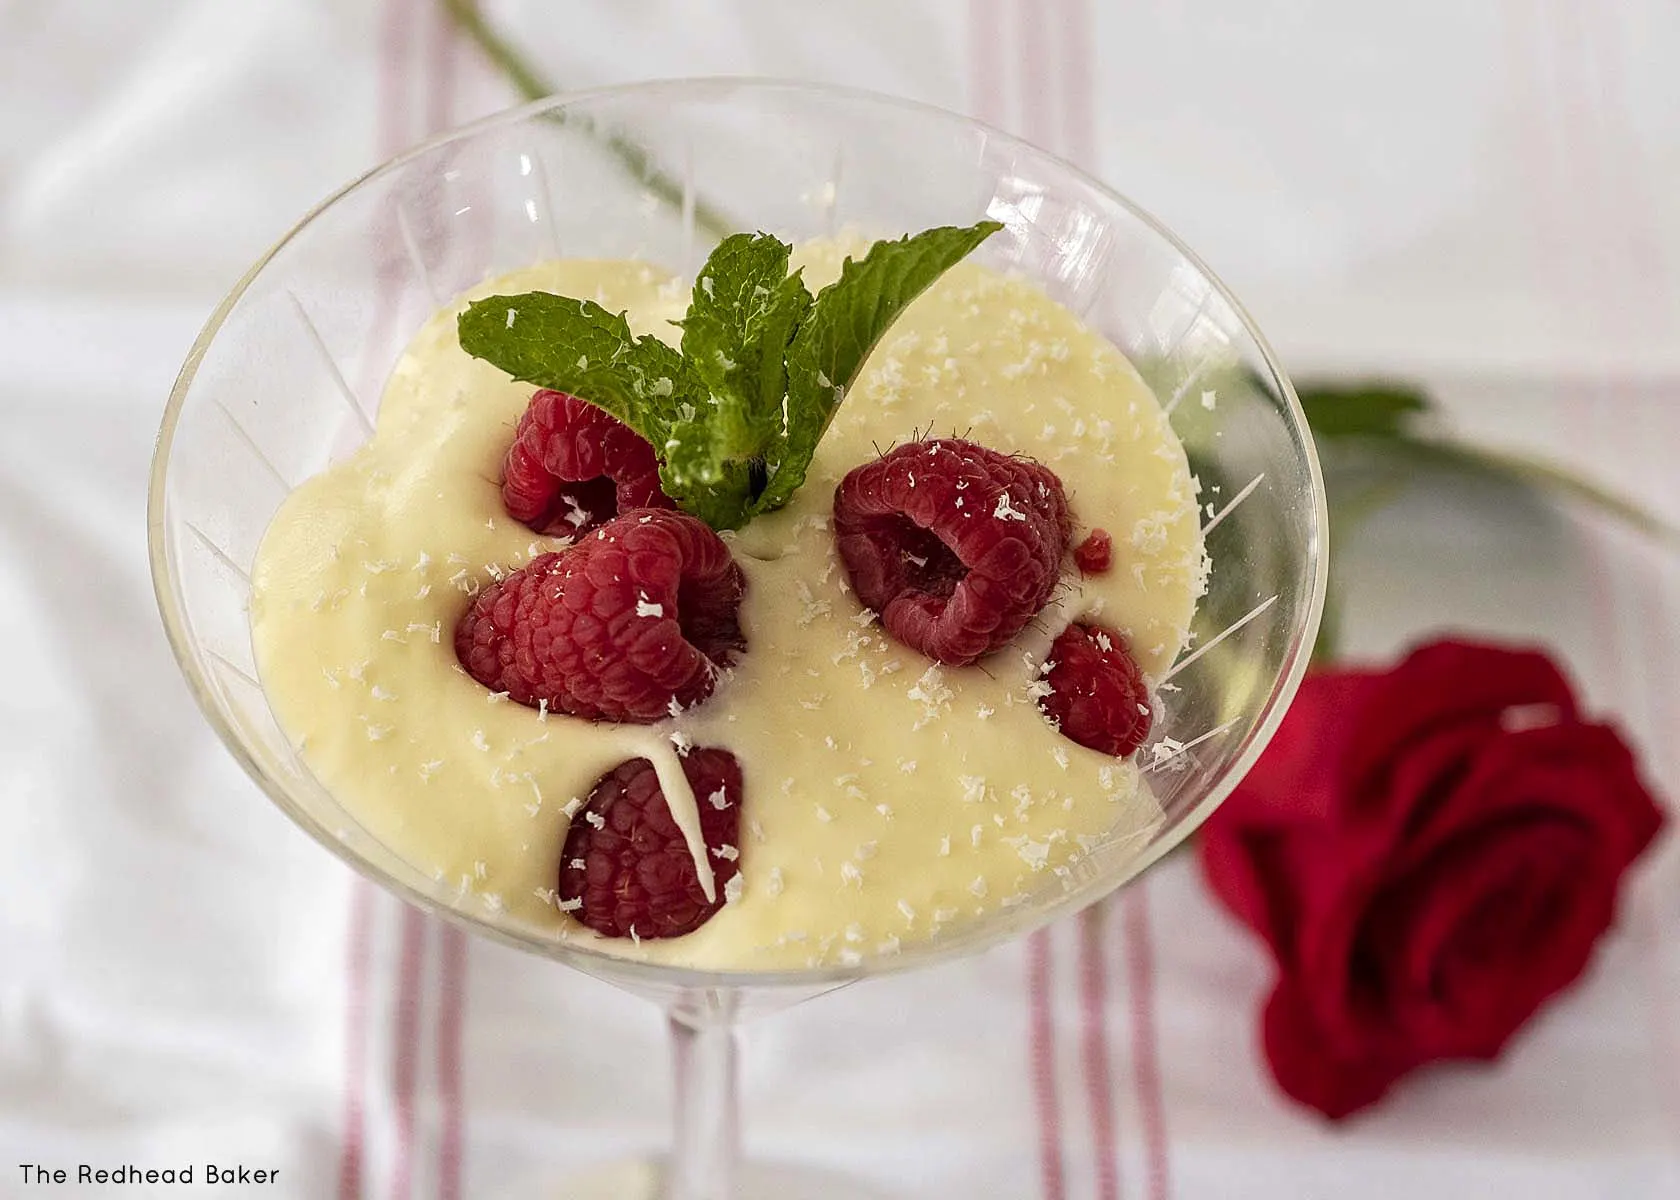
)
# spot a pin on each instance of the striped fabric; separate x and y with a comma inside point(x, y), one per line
point(268, 1007)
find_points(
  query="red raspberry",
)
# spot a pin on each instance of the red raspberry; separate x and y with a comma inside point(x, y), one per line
point(1097, 694)
point(633, 870)
point(955, 545)
point(1095, 554)
point(641, 612)
point(572, 466)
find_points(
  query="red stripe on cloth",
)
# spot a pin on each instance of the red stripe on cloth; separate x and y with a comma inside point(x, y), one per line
point(446, 47)
point(1658, 615)
point(1079, 105)
point(1146, 1060)
point(1031, 109)
point(442, 50)
point(1041, 1032)
point(393, 73)
point(985, 54)
point(1635, 299)
point(1593, 301)
point(406, 1041)
point(1036, 107)
point(405, 1035)
point(1562, 175)
point(1099, 1081)
point(1629, 257)
point(1658, 901)
point(352, 1122)
point(437, 81)
point(450, 1031)
point(1073, 71)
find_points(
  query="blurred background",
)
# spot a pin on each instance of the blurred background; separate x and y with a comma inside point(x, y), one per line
point(1476, 198)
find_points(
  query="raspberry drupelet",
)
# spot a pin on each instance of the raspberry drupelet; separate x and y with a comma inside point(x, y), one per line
point(1095, 554)
point(1097, 694)
point(626, 869)
point(956, 545)
point(573, 466)
point(640, 614)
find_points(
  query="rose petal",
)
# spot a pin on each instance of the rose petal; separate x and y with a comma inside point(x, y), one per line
point(1425, 776)
point(1580, 771)
point(1429, 855)
point(1294, 780)
point(1440, 685)
point(1247, 855)
point(1299, 889)
point(1306, 1069)
point(1461, 939)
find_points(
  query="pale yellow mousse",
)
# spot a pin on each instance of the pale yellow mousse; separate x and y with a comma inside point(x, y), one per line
point(887, 799)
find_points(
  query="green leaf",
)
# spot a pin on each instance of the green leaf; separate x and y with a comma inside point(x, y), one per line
point(577, 346)
point(723, 501)
point(736, 415)
point(736, 334)
point(1376, 409)
point(789, 307)
point(846, 321)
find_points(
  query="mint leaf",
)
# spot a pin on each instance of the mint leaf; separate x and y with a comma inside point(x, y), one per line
point(734, 417)
point(846, 321)
point(579, 347)
point(788, 307)
point(743, 313)
point(738, 294)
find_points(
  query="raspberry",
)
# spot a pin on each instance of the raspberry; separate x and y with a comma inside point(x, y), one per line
point(1095, 554)
point(633, 871)
point(955, 545)
point(1097, 695)
point(641, 613)
point(573, 466)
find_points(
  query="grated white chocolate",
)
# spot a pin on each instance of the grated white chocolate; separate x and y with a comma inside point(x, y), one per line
point(863, 763)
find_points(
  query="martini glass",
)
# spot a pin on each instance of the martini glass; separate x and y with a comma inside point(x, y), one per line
point(287, 375)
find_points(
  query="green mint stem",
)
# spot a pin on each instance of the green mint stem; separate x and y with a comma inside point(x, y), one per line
point(520, 73)
point(530, 84)
point(1396, 421)
point(1373, 437)
point(1535, 471)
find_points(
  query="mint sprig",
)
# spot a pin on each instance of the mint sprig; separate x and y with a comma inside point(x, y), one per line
point(579, 347)
point(743, 313)
point(736, 415)
point(847, 320)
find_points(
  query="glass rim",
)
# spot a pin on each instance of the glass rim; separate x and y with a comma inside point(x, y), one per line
point(981, 935)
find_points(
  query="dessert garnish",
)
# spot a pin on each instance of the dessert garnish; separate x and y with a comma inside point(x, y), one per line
point(1095, 554)
point(572, 467)
point(626, 870)
point(638, 616)
point(1096, 694)
point(955, 545)
point(734, 416)
point(669, 666)
point(640, 452)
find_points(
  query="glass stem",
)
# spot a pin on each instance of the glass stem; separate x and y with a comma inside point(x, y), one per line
point(707, 1138)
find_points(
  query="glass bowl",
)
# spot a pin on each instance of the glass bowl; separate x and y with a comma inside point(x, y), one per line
point(287, 375)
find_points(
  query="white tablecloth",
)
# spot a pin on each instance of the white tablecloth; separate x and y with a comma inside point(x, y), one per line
point(1480, 195)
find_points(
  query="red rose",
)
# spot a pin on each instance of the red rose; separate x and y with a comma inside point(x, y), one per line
point(1430, 853)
